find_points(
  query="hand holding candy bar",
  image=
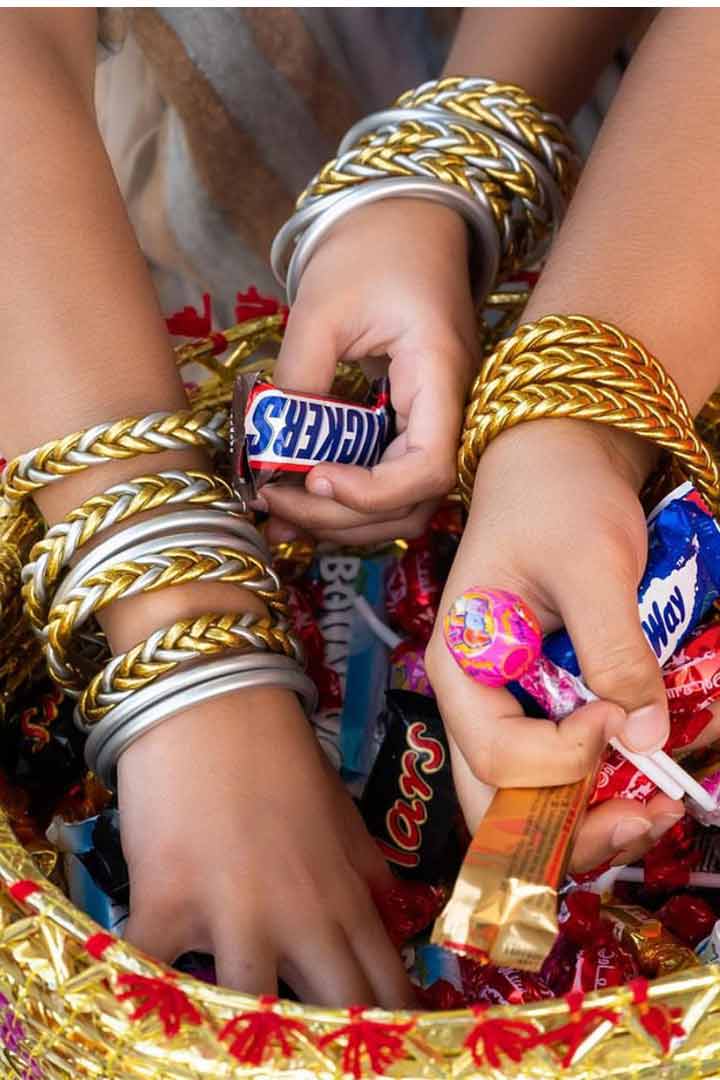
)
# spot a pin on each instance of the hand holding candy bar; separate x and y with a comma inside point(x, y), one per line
point(575, 552)
point(391, 280)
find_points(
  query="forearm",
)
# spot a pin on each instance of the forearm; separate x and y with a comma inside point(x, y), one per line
point(556, 54)
point(83, 337)
point(84, 341)
point(641, 241)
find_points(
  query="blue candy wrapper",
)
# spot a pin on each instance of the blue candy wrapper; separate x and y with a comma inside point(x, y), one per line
point(359, 657)
point(76, 841)
point(681, 580)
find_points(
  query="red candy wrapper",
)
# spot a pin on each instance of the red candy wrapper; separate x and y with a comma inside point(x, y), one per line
point(669, 863)
point(304, 623)
point(463, 981)
point(586, 955)
point(408, 908)
point(688, 917)
point(692, 684)
point(413, 586)
point(488, 985)
point(618, 778)
point(692, 677)
point(412, 591)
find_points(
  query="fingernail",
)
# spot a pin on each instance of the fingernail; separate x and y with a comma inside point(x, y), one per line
point(259, 503)
point(662, 823)
point(646, 729)
point(627, 831)
point(320, 485)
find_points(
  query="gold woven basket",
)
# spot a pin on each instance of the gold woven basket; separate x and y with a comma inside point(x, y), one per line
point(77, 1002)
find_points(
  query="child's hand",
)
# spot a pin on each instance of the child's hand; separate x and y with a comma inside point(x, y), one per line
point(555, 518)
point(241, 842)
point(390, 280)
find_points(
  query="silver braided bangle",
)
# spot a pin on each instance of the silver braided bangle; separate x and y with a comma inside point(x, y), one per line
point(502, 108)
point(83, 455)
point(74, 587)
point(62, 542)
point(109, 696)
point(237, 530)
point(387, 123)
point(475, 211)
point(183, 690)
point(517, 162)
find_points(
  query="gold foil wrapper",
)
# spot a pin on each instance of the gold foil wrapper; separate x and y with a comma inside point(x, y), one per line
point(504, 904)
point(658, 952)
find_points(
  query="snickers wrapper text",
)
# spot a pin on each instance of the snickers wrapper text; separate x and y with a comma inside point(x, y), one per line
point(277, 433)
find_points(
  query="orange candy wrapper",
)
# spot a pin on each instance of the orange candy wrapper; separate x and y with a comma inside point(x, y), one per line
point(658, 951)
point(504, 904)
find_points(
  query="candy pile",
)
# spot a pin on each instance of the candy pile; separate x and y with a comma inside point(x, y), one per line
point(365, 620)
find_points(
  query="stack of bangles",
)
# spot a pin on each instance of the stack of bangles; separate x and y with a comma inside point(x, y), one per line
point(574, 366)
point(487, 150)
point(203, 534)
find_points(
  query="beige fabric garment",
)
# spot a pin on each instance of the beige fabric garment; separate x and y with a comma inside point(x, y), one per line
point(215, 118)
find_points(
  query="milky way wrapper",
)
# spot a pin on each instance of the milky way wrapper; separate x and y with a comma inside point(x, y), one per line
point(504, 904)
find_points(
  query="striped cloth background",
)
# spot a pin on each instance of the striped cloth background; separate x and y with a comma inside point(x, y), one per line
point(215, 118)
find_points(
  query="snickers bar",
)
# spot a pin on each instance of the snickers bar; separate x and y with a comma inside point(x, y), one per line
point(280, 431)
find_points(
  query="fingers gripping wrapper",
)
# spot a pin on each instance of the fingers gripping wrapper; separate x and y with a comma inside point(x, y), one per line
point(276, 433)
point(504, 904)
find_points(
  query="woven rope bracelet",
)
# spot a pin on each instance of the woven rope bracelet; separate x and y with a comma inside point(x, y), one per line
point(170, 646)
point(113, 442)
point(574, 366)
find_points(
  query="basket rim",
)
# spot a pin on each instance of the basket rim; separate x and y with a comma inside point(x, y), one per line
point(18, 866)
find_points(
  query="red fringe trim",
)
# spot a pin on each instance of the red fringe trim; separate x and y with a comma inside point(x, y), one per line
point(98, 944)
point(492, 1037)
point(660, 1021)
point(578, 1027)
point(255, 1034)
point(160, 996)
point(189, 323)
point(381, 1043)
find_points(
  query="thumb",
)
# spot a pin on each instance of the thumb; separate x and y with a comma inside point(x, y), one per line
point(617, 663)
point(308, 355)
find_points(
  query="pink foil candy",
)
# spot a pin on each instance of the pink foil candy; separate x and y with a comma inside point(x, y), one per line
point(493, 635)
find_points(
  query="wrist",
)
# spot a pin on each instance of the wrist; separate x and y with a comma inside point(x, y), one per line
point(126, 622)
point(406, 221)
point(553, 440)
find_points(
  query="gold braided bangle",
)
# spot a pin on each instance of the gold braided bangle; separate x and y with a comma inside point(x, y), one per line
point(520, 116)
point(205, 635)
point(502, 178)
point(18, 532)
point(117, 504)
point(499, 179)
point(176, 566)
point(448, 166)
point(574, 366)
point(114, 441)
